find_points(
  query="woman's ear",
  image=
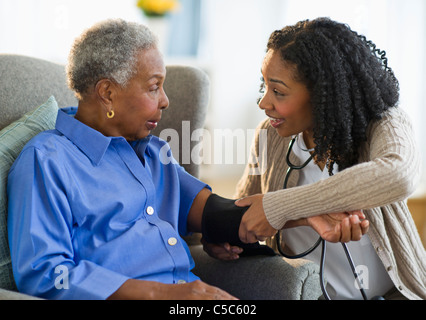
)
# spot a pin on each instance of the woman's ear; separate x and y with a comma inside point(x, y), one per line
point(104, 90)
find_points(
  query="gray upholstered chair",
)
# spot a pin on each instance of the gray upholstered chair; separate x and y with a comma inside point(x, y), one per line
point(26, 83)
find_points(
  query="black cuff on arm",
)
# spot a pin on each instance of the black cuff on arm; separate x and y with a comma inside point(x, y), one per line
point(221, 222)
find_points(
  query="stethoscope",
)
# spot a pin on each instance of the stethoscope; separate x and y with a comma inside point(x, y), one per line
point(292, 167)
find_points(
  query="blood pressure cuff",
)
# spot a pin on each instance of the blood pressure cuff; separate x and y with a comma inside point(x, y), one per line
point(221, 222)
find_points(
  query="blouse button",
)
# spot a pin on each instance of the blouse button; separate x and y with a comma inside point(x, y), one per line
point(172, 241)
point(150, 210)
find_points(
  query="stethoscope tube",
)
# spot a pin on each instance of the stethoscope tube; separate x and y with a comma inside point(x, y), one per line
point(292, 167)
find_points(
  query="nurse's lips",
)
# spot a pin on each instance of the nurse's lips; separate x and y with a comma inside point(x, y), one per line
point(276, 122)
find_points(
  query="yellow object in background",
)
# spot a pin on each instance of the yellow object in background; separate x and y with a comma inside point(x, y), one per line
point(157, 7)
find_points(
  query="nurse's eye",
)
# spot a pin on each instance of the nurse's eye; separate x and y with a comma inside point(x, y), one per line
point(279, 94)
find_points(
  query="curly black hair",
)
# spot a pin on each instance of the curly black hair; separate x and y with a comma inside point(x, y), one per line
point(349, 81)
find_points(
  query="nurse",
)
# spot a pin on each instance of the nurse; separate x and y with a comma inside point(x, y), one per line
point(333, 92)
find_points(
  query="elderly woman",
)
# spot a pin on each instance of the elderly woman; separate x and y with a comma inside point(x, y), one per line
point(91, 200)
point(331, 102)
point(94, 198)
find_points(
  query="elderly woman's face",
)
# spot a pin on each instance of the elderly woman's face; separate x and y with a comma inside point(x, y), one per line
point(285, 101)
point(139, 105)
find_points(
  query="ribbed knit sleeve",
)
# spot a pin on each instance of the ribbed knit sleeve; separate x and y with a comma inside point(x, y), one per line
point(388, 172)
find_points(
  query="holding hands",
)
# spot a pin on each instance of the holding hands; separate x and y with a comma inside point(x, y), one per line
point(332, 227)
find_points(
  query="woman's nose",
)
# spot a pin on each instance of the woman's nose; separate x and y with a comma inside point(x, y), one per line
point(264, 103)
point(164, 101)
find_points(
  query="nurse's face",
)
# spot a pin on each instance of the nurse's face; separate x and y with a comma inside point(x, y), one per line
point(285, 101)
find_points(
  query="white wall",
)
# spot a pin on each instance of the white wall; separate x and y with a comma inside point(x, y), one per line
point(47, 28)
point(235, 33)
point(238, 31)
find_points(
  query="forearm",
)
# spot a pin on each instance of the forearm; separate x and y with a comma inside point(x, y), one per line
point(139, 290)
point(356, 188)
point(296, 223)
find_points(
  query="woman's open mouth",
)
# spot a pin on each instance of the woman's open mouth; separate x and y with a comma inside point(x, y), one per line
point(151, 125)
point(276, 122)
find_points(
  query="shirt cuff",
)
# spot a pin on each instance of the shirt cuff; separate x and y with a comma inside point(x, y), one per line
point(98, 284)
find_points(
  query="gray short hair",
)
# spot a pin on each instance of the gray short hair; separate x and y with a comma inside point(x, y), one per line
point(107, 50)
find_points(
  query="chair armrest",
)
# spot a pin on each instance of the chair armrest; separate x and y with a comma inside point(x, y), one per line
point(13, 295)
point(260, 277)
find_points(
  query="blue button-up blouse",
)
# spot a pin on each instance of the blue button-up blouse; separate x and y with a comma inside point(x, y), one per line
point(87, 212)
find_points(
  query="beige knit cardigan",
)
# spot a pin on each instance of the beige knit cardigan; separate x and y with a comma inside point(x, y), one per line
point(387, 173)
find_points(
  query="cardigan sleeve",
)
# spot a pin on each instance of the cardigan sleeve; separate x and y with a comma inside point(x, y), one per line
point(388, 171)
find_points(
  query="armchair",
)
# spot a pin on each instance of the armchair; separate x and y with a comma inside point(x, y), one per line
point(25, 85)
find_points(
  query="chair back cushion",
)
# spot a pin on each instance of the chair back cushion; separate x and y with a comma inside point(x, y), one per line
point(188, 92)
point(12, 139)
point(26, 83)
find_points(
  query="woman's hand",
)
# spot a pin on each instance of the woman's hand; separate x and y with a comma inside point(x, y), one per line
point(340, 227)
point(254, 225)
point(335, 227)
point(196, 290)
point(134, 289)
point(223, 251)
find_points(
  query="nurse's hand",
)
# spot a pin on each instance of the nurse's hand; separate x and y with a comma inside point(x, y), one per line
point(254, 225)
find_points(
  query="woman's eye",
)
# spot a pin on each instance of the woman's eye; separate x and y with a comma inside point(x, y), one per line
point(277, 93)
point(263, 88)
